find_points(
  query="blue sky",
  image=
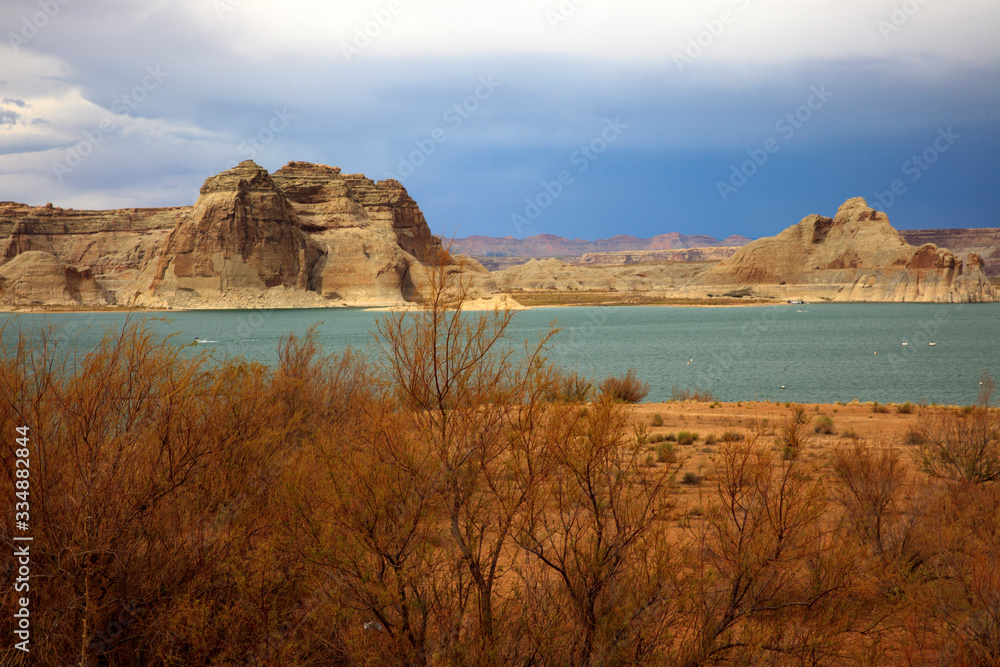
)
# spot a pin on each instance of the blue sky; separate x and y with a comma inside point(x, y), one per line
point(582, 118)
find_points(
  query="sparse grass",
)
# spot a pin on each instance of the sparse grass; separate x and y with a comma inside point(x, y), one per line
point(878, 408)
point(678, 393)
point(850, 433)
point(731, 436)
point(905, 409)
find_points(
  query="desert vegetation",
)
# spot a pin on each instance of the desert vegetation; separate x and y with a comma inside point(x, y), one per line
point(458, 500)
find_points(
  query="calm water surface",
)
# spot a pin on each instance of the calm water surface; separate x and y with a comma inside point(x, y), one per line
point(809, 353)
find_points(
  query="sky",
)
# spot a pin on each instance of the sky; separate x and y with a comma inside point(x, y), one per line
point(581, 118)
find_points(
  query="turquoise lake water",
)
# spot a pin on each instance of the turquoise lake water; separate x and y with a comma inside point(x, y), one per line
point(817, 352)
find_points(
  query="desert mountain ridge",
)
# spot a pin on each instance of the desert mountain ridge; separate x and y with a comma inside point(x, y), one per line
point(550, 245)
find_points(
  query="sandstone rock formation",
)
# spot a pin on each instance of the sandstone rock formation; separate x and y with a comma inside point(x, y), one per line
point(854, 256)
point(305, 235)
point(39, 278)
point(983, 242)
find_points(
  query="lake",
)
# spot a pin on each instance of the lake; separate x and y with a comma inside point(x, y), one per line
point(805, 353)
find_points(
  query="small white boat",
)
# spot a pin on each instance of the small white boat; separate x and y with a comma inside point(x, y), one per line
point(933, 344)
point(905, 343)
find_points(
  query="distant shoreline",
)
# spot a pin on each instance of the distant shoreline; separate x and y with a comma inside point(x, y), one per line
point(694, 303)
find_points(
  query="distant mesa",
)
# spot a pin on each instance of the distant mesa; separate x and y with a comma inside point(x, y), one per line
point(498, 253)
point(304, 236)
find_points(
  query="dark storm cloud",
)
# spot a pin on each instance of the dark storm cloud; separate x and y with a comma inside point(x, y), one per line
point(225, 92)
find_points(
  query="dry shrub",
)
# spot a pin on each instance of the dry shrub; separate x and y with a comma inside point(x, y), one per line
point(768, 582)
point(792, 433)
point(879, 501)
point(963, 444)
point(627, 388)
point(571, 387)
point(678, 393)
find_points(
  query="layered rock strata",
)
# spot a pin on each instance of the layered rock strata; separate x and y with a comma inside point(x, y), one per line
point(305, 235)
point(854, 256)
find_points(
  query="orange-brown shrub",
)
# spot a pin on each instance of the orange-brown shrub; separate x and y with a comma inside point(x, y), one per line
point(627, 388)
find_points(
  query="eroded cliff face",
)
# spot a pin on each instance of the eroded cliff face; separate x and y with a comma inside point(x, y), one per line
point(241, 233)
point(305, 235)
point(854, 256)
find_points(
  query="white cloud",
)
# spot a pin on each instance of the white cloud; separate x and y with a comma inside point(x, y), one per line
point(754, 31)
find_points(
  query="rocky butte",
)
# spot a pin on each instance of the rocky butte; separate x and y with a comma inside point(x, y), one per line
point(304, 236)
point(854, 256)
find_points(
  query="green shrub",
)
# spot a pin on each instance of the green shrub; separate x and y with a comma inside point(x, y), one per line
point(670, 437)
point(686, 438)
point(823, 424)
point(711, 439)
point(879, 408)
point(904, 409)
point(657, 420)
point(691, 479)
point(732, 436)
